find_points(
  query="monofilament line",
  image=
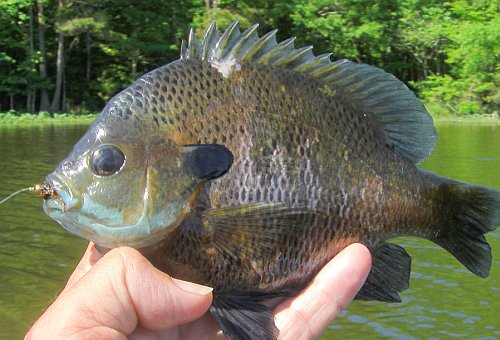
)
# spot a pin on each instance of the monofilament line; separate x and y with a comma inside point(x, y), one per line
point(17, 192)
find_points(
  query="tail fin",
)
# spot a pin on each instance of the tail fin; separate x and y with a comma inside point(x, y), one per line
point(467, 213)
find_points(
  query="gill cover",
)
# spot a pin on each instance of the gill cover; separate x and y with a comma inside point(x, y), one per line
point(207, 161)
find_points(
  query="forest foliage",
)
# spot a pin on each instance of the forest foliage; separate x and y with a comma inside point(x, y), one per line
point(74, 55)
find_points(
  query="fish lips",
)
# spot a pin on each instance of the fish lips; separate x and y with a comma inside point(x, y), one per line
point(64, 206)
point(66, 198)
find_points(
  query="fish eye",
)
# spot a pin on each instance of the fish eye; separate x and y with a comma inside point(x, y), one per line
point(107, 160)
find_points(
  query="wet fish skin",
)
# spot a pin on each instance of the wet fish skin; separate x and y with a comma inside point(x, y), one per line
point(250, 168)
point(275, 165)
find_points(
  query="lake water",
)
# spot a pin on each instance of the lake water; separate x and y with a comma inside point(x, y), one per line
point(444, 299)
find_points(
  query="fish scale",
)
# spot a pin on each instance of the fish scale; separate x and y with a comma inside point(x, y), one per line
point(247, 165)
point(286, 175)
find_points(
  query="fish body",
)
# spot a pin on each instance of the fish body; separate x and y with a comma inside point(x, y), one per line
point(247, 165)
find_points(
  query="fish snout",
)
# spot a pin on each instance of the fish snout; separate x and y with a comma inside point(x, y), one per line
point(62, 197)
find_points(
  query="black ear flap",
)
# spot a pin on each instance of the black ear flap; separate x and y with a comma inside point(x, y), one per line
point(207, 161)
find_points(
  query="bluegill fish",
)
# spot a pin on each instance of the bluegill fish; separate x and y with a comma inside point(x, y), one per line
point(247, 165)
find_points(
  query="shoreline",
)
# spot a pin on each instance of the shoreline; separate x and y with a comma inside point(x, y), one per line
point(43, 118)
point(472, 119)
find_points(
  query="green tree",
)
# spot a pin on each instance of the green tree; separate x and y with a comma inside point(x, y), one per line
point(44, 94)
point(138, 39)
point(15, 57)
point(423, 33)
point(471, 53)
point(88, 50)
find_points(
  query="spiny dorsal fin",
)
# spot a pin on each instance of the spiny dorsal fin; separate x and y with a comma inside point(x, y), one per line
point(407, 125)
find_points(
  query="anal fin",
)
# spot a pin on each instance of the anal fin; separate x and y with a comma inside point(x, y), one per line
point(390, 274)
point(244, 317)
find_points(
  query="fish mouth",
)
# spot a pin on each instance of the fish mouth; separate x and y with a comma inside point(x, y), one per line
point(74, 212)
point(64, 198)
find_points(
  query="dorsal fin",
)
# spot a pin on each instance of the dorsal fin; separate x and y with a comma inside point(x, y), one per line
point(407, 125)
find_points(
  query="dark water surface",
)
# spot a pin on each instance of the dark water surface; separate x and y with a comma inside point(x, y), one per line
point(444, 299)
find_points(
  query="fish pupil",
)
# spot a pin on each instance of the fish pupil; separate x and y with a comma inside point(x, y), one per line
point(107, 160)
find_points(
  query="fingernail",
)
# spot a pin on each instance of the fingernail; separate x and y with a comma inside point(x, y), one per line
point(280, 321)
point(192, 287)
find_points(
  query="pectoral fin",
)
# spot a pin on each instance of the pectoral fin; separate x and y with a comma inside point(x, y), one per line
point(256, 230)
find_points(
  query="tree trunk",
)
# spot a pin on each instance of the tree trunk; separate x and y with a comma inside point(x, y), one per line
point(88, 41)
point(425, 67)
point(56, 100)
point(28, 102)
point(32, 102)
point(31, 93)
point(134, 67)
point(211, 4)
point(44, 94)
point(64, 101)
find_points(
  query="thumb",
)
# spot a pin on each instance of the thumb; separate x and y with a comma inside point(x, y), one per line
point(121, 292)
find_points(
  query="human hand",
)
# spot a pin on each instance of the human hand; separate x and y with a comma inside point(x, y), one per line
point(123, 296)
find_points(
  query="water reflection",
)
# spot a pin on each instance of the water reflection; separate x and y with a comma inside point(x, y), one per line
point(36, 255)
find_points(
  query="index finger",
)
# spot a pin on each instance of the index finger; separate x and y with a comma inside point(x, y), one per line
point(89, 259)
